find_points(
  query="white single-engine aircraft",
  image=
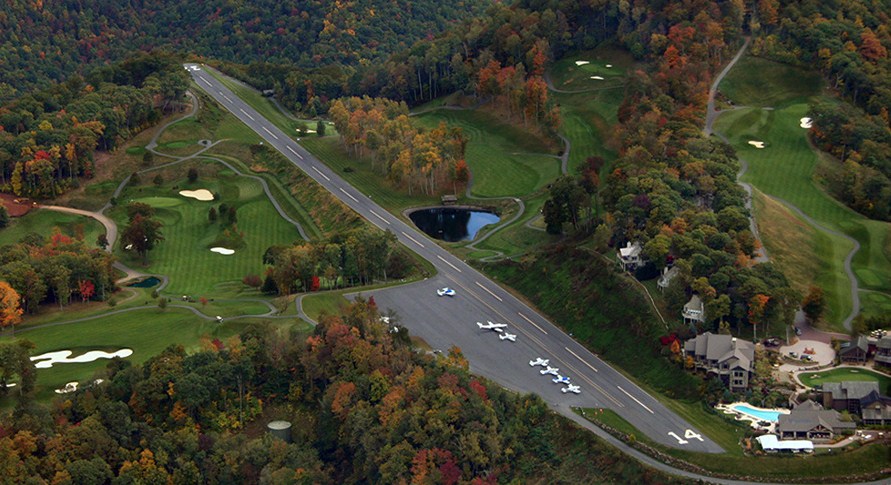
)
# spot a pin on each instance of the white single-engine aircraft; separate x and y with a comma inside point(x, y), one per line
point(560, 380)
point(492, 326)
point(550, 370)
point(508, 336)
point(572, 389)
point(539, 361)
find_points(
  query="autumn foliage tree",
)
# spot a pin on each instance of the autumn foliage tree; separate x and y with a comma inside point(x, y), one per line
point(10, 309)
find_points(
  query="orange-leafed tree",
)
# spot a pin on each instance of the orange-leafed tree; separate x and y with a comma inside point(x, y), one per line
point(10, 309)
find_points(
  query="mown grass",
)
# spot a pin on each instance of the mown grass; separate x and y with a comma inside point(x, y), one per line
point(759, 82)
point(184, 255)
point(821, 465)
point(785, 169)
point(517, 239)
point(43, 222)
point(504, 159)
point(846, 374)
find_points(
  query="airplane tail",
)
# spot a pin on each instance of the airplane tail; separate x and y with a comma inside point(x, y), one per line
point(480, 325)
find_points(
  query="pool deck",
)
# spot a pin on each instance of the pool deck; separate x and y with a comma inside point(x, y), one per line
point(753, 420)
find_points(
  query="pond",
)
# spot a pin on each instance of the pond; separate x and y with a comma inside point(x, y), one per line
point(146, 283)
point(452, 224)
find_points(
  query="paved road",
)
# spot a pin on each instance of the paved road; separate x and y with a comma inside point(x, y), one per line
point(445, 321)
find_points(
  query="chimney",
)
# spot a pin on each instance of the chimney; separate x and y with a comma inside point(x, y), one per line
point(733, 343)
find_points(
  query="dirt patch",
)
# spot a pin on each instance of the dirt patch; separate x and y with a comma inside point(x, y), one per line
point(16, 206)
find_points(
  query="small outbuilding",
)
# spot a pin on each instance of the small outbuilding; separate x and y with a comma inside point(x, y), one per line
point(772, 444)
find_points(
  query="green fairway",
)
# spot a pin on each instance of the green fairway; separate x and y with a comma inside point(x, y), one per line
point(759, 82)
point(42, 222)
point(184, 255)
point(812, 379)
point(504, 160)
point(784, 169)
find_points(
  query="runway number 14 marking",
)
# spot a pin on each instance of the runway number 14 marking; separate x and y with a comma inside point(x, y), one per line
point(689, 434)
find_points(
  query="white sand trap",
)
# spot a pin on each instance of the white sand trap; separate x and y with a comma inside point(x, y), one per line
point(225, 251)
point(597, 78)
point(70, 387)
point(11, 384)
point(609, 65)
point(310, 131)
point(62, 357)
point(200, 194)
point(806, 122)
point(582, 63)
point(757, 144)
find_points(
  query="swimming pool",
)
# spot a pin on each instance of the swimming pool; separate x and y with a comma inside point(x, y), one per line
point(760, 414)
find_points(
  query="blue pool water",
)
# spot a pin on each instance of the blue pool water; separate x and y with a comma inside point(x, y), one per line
point(772, 416)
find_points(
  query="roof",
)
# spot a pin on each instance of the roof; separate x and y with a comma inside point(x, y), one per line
point(630, 250)
point(694, 309)
point(884, 342)
point(861, 343)
point(770, 442)
point(667, 275)
point(809, 415)
point(850, 389)
point(722, 348)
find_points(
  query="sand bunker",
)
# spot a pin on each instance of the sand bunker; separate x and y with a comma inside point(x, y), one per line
point(70, 387)
point(62, 357)
point(225, 251)
point(582, 63)
point(200, 194)
point(609, 65)
point(597, 78)
point(757, 144)
point(806, 122)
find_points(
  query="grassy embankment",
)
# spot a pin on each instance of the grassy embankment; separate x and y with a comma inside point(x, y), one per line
point(776, 97)
point(43, 221)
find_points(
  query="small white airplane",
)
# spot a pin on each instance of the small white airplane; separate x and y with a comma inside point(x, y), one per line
point(492, 326)
point(550, 370)
point(539, 361)
point(508, 336)
point(572, 389)
point(560, 380)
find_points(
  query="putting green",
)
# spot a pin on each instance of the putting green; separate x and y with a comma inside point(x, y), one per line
point(158, 202)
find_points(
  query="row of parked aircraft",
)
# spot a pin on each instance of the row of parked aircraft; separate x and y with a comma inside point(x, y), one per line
point(558, 379)
point(499, 329)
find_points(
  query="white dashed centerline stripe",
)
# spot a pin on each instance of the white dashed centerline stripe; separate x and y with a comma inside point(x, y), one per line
point(488, 291)
point(579, 358)
point(320, 173)
point(636, 400)
point(413, 240)
point(375, 214)
point(247, 114)
point(270, 133)
point(348, 194)
point(205, 81)
point(448, 263)
point(533, 323)
point(295, 153)
point(227, 98)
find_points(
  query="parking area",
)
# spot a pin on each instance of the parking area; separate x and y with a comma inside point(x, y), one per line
point(809, 353)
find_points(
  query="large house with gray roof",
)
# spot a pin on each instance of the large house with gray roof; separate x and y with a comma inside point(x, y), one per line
point(860, 398)
point(729, 358)
point(856, 350)
point(810, 421)
point(883, 351)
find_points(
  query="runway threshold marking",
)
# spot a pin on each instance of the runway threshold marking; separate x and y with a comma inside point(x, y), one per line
point(579, 358)
point(413, 240)
point(443, 259)
point(378, 216)
point(295, 153)
point(533, 323)
point(248, 115)
point(488, 291)
point(320, 173)
point(636, 400)
point(348, 194)
point(271, 133)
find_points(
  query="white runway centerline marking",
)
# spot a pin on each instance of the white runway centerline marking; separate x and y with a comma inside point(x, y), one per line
point(295, 153)
point(579, 358)
point(227, 98)
point(320, 173)
point(488, 291)
point(413, 240)
point(532, 323)
point(348, 194)
point(271, 133)
point(246, 114)
point(636, 400)
point(446, 262)
point(375, 214)
point(205, 81)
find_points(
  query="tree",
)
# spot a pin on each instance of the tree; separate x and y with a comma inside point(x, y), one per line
point(192, 175)
point(10, 309)
point(814, 303)
point(142, 234)
point(212, 215)
point(162, 302)
point(102, 241)
point(158, 180)
point(148, 158)
point(87, 289)
point(320, 128)
point(4, 216)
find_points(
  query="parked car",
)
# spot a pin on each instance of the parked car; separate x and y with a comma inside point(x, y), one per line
point(793, 355)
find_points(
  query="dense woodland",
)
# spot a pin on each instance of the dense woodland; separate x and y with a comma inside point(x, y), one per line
point(364, 406)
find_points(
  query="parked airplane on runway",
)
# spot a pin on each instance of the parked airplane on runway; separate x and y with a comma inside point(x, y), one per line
point(550, 370)
point(560, 380)
point(572, 389)
point(508, 336)
point(492, 326)
point(539, 361)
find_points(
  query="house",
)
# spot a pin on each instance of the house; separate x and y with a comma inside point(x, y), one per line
point(883, 351)
point(854, 351)
point(694, 311)
point(861, 398)
point(630, 257)
point(668, 274)
point(449, 199)
point(729, 358)
point(810, 421)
